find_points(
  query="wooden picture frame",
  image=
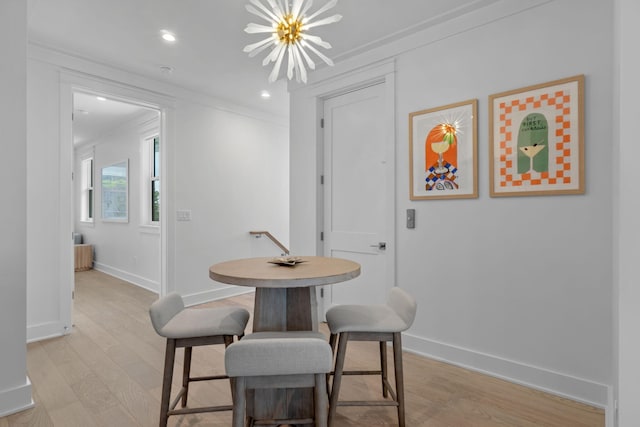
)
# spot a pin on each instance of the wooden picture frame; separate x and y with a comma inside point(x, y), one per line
point(443, 152)
point(536, 139)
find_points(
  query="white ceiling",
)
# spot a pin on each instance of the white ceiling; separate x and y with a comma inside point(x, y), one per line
point(93, 117)
point(208, 56)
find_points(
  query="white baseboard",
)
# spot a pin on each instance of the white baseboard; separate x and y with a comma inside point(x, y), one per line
point(215, 294)
point(54, 329)
point(610, 413)
point(578, 389)
point(189, 299)
point(43, 331)
point(16, 399)
point(48, 330)
point(140, 281)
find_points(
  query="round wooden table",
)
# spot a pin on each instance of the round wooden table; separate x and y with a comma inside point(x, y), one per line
point(285, 300)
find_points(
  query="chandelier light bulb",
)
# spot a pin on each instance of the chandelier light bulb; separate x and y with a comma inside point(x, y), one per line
point(287, 29)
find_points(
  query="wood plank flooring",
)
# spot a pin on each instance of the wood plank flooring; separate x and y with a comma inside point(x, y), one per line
point(108, 372)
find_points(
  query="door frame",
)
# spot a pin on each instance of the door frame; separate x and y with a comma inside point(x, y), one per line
point(380, 73)
point(71, 82)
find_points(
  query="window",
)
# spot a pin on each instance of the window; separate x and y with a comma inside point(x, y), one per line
point(86, 190)
point(155, 180)
point(150, 169)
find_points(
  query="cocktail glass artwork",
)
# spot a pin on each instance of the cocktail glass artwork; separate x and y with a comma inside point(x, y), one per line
point(448, 132)
point(531, 151)
point(439, 147)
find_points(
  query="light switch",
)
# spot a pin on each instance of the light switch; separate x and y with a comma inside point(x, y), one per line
point(183, 215)
point(411, 218)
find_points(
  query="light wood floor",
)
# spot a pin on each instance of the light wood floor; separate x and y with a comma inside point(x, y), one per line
point(108, 373)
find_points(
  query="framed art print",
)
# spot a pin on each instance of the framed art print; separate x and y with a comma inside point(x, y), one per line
point(443, 152)
point(115, 192)
point(536, 140)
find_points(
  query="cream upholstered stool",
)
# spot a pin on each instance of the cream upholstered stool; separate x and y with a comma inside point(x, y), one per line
point(298, 359)
point(380, 323)
point(190, 328)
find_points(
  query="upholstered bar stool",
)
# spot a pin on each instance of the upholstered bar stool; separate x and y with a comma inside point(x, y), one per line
point(382, 323)
point(189, 328)
point(279, 360)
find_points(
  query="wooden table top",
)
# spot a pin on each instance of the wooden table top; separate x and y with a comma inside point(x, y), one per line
point(260, 273)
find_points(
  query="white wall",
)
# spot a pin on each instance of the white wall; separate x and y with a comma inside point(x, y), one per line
point(227, 164)
point(628, 210)
point(128, 250)
point(15, 388)
point(481, 304)
point(233, 177)
point(43, 232)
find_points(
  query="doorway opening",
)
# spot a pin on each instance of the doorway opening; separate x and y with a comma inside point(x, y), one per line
point(116, 188)
point(150, 125)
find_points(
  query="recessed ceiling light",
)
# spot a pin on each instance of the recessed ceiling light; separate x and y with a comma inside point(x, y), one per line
point(168, 36)
point(101, 98)
point(265, 95)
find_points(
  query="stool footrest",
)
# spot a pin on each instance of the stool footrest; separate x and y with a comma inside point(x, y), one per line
point(359, 373)
point(183, 391)
point(283, 422)
point(209, 378)
point(183, 411)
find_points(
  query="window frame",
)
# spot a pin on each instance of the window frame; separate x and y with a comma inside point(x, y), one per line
point(87, 189)
point(148, 176)
point(154, 177)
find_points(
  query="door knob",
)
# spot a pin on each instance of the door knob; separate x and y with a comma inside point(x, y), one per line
point(381, 245)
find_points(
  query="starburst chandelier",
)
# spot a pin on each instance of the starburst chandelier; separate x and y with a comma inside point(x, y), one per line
point(288, 28)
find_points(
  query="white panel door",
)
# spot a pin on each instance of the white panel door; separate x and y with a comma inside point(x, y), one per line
point(358, 192)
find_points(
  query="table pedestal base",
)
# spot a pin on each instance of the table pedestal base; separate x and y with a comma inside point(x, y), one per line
point(283, 309)
point(281, 404)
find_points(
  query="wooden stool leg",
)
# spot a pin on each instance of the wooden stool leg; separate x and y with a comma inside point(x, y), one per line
point(321, 404)
point(240, 402)
point(169, 359)
point(383, 367)
point(333, 338)
point(186, 371)
point(228, 340)
point(397, 361)
point(332, 342)
point(337, 375)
